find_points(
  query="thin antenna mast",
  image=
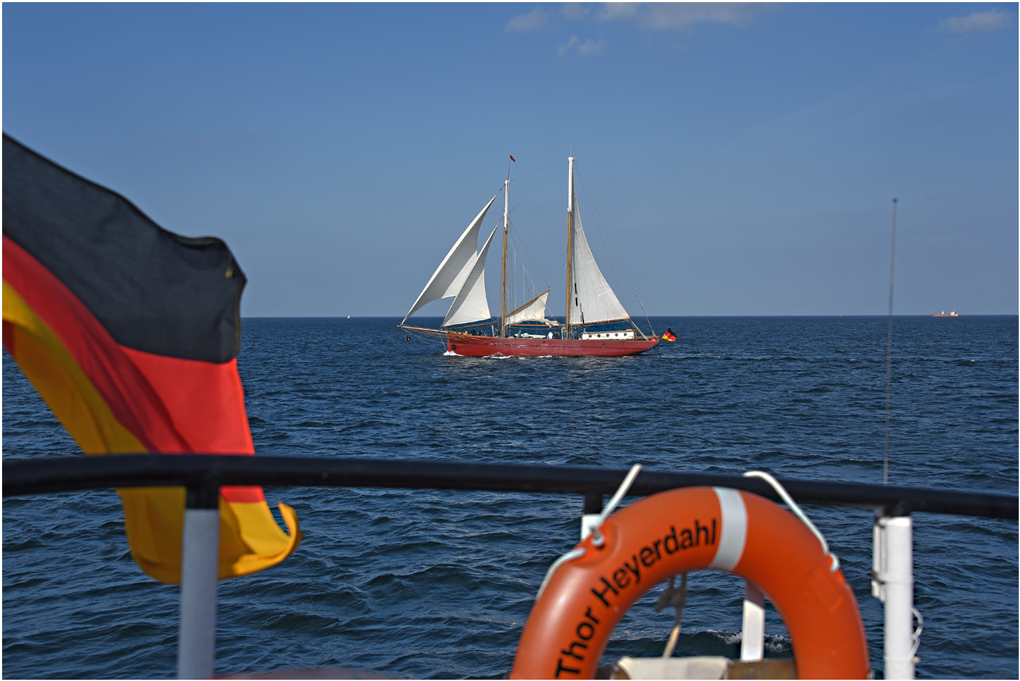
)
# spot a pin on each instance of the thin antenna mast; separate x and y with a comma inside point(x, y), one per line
point(888, 349)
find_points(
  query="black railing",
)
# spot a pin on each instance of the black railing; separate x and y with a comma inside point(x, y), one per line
point(202, 475)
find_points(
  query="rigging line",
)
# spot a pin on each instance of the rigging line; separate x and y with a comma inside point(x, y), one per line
point(521, 243)
point(528, 288)
point(513, 258)
point(531, 172)
point(513, 240)
point(596, 218)
point(527, 281)
point(538, 186)
point(604, 234)
point(888, 349)
point(518, 289)
point(647, 318)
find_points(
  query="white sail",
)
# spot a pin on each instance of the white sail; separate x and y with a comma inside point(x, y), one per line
point(449, 278)
point(471, 305)
point(533, 311)
point(591, 297)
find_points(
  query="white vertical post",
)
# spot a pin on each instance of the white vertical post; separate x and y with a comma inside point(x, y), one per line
point(894, 586)
point(196, 642)
point(592, 513)
point(752, 638)
point(588, 521)
point(877, 558)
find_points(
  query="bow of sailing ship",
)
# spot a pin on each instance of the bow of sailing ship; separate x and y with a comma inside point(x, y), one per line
point(595, 323)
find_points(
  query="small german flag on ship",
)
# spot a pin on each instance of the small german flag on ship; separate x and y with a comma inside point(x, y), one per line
point(669, 335)
point(130, 334)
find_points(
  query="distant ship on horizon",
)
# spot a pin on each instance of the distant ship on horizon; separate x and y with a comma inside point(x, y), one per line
point(951, 314)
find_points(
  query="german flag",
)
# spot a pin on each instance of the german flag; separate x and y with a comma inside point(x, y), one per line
point(669, 335)
point(130, 334)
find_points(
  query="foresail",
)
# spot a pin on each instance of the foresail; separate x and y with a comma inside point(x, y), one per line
point(592, 299)
point(471, 304)
point(532, 311)
point(450, 277)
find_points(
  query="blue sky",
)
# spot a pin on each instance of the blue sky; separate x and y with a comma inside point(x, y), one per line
point(742, 159)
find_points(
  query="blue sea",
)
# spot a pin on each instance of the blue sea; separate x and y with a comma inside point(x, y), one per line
point(438, 584)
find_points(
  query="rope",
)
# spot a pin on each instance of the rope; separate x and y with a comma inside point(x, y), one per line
point(785, 496)
point(916, 636)
point(678, 599)
point(596, 218)
point(569, 555)
point(536, 170)
point(647, 319)
point(598, 540)
point(513, 243)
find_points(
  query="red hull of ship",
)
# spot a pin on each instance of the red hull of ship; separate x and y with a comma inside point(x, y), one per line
point(487, 346)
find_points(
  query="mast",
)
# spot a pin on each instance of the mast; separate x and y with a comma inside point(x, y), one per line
point(506, 228)
point(570, 234)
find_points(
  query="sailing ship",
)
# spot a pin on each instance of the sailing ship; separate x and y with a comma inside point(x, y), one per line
point(595, 323)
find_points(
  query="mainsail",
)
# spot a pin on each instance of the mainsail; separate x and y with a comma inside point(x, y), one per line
point(591, 298)
point(471, 305)
point(449, 278)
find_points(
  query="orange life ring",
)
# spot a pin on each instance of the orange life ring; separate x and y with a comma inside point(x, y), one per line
point(680, 531)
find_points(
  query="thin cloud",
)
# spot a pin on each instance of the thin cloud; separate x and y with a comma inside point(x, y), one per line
point(531, 21)
point(684, 15)
point(618, 11)
point(589, 46)
point(978, 21)
point(574, 11)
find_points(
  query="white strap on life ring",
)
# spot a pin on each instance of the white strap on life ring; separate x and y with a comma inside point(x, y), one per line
point(785, 496)
point(734, 529)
